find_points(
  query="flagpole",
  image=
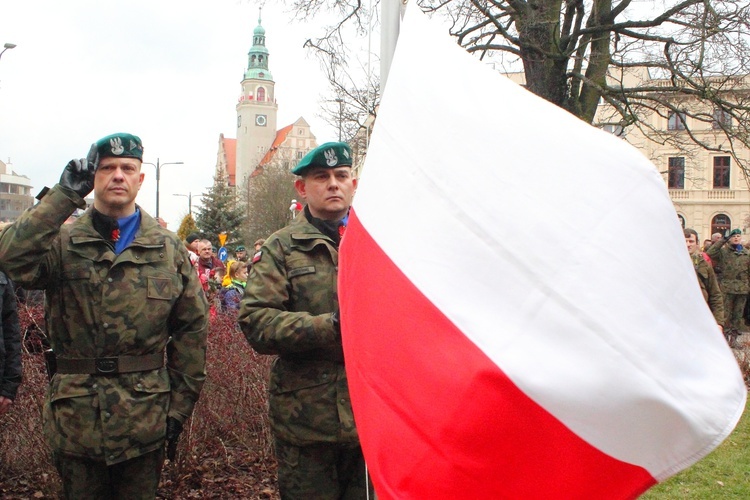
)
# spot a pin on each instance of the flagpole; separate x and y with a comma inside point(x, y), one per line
point(390, 11)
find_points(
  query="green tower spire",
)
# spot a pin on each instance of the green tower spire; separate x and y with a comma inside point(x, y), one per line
point(257, 58)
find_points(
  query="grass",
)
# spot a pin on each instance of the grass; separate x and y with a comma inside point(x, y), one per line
point(725, 473)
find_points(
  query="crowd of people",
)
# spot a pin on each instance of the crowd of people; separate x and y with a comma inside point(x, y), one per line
point(723, 270)
point(222, 283)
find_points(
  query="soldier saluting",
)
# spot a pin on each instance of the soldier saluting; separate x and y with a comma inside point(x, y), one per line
point(118, 287)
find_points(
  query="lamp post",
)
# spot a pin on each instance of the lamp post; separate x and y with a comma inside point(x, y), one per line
point(189, 196)
point(6, 47)
point(341, 112)
point(158, 176)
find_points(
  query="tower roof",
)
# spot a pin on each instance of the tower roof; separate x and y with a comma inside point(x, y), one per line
point(257, 58)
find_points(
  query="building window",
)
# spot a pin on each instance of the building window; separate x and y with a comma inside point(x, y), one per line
point(722, 120)
point(682, 220)
point(676, 121)
point(676, 178)
point(615, 130)
point(261, 94)
point(721, 172)
point(300, 155)
point(720, 224)
point(301, 131)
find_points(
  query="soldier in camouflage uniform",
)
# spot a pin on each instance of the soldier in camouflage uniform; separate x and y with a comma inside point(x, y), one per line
point(290, 308)
point(706, 278)
point(734, 260)
point(118, 288)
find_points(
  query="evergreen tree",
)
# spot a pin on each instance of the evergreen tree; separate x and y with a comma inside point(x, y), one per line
point(220, 212)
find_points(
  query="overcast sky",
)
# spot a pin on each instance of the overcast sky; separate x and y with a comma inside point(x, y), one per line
point(168, 71)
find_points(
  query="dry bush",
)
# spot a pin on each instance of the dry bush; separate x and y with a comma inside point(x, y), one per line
point(24, 455)
point(229, 433)
point(225, 450)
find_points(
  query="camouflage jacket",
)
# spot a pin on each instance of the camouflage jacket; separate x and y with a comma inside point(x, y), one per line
point(735, 266)
point(10, 341)
point(287, 310)
point(710, 287)
point(101, 305)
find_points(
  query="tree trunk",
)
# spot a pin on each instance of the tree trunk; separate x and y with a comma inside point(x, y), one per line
point(545, 67)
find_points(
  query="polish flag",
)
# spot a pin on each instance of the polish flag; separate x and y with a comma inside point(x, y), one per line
point(521, 318)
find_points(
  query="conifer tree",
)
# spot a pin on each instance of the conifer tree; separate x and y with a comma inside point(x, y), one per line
point(220, 212)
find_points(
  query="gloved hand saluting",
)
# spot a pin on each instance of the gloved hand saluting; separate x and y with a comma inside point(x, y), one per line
point(79, 174)
point(174, 428)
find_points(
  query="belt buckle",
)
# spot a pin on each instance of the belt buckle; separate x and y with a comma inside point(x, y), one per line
point(106, 366)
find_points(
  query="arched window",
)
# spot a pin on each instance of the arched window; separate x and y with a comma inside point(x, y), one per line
point(682, 220)
point(261, 94)
point(720, 224)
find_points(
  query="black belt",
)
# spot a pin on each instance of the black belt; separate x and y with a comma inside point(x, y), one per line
point(111, 365)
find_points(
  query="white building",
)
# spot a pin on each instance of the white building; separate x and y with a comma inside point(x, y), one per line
point(15, 193)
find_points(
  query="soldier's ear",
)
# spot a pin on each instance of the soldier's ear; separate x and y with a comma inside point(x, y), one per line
point(299, 185)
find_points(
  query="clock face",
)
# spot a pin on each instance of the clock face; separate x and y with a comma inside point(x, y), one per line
point(260, 120)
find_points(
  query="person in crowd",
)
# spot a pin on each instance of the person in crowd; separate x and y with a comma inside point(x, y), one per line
point(290, 309)
point(208, 264)
point(706, 277)
point(734, 260)
point(240, 253)
point(121, 299)
point(10, 342)
point(192, 243)
point(231, 294)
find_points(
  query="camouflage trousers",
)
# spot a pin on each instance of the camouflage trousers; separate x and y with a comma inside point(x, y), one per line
point(322, 472)
point(84, 478)
point(734, 308)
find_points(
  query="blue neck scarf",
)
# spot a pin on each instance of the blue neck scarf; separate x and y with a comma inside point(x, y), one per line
point(128, 227)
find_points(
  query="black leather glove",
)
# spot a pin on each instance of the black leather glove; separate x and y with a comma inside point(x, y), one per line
point(79, 174)
point(174, 428)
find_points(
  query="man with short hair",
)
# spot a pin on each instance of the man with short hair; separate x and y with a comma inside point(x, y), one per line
point(734, 261)
point(706, 277)
point(290, 308)
point(208, 264)
point(121, 297)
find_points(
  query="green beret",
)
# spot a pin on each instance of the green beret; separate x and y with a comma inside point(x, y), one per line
point(734, 231)
point(328, 155)
point(121, 145)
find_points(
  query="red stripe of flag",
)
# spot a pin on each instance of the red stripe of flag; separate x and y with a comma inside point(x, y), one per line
point(436, 417)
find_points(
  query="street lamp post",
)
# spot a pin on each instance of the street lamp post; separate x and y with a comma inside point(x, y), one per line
point(158, 176)
point(189, 196)
point(6, 47)
point(341, 112)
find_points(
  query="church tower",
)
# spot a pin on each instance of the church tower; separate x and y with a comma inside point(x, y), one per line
point(256, 109)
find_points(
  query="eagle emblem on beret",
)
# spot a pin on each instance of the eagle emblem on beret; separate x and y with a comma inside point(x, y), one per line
point(331, 158)
point(116, 144)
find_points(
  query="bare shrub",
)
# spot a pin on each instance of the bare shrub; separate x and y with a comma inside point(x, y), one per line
point(225, 449)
